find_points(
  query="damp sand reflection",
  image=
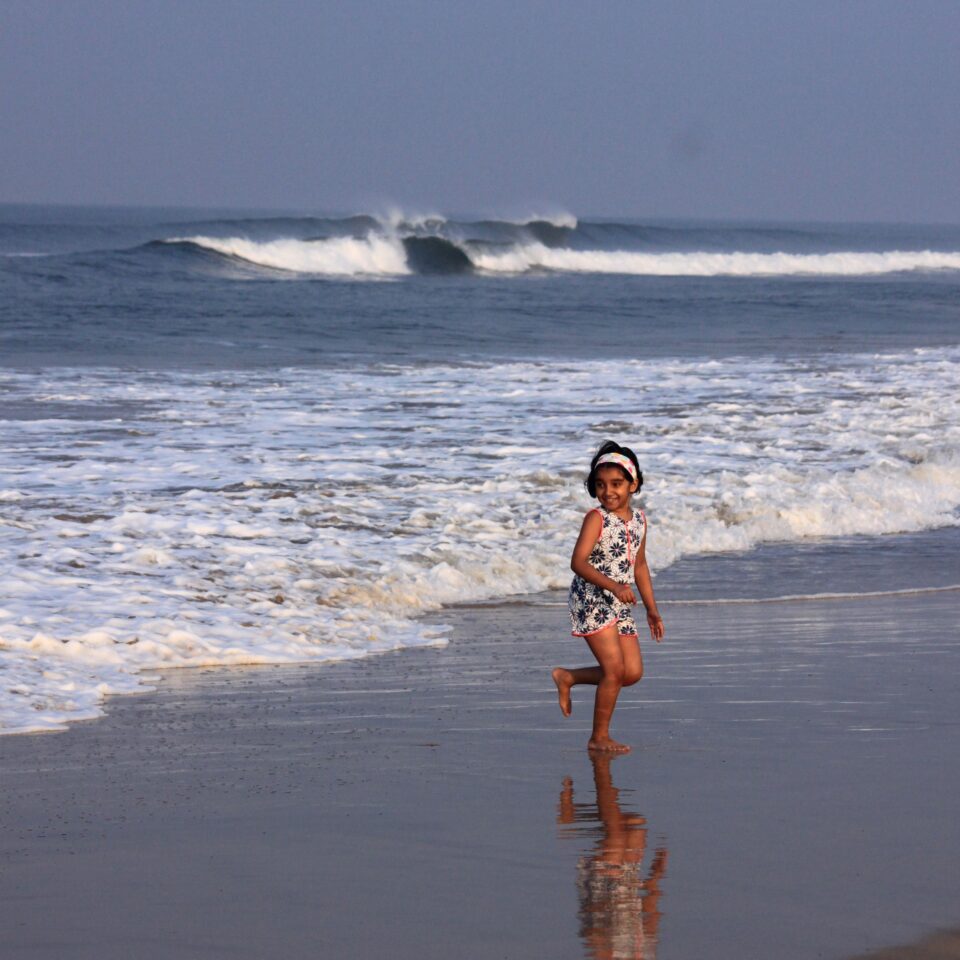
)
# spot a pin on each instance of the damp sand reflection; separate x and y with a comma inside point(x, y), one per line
point(619, 894)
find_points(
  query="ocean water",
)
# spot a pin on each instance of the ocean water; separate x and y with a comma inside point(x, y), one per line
point(257, 438)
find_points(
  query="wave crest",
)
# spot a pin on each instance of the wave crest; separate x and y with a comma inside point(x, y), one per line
point(392, 254)
point(373, 255)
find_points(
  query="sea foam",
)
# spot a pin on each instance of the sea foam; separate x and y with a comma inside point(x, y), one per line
point(375, 255)
point(298, 515)
point(522, 258)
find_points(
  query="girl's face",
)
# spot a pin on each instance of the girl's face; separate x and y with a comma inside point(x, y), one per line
point(613, 487)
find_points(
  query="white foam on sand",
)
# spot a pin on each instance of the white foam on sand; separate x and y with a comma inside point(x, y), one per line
point(251, 517)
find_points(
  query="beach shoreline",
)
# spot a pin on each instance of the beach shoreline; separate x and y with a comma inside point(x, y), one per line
point(408, 803)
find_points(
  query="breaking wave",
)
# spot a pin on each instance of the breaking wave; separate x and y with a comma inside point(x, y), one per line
point(397, 244)
point(521, 259)
point(374, 255)
point(386, 255)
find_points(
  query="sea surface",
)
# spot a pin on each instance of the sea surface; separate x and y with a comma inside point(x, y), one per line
point(234, 437)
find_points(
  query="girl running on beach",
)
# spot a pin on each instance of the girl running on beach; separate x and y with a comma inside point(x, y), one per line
point(610, 551)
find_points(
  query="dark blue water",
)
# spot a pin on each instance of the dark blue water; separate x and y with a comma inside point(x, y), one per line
point(101, 286)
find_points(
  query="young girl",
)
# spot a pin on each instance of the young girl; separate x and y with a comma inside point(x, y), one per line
point(610, 551)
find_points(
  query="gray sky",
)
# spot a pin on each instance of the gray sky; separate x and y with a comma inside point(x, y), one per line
point(772, 109)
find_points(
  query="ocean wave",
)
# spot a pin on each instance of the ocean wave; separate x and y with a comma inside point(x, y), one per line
point(537, 256)
point(375, 255)
point(396, 243)
point(510, 242)
point(435, 255)
point(372, 256)
point(379, 254)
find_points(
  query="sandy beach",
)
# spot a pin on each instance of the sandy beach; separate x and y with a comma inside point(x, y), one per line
point(791, 794)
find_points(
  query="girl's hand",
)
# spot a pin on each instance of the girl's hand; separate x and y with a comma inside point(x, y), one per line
point(624, 593)
point(656, 625)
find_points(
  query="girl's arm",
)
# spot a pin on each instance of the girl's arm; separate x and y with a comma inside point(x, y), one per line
point(580, 561)
point(641, 573)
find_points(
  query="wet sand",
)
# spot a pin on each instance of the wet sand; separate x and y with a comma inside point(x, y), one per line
point(791, 794)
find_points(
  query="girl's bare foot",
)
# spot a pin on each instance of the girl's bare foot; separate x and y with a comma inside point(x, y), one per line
point(564, 682)
point(606, 745)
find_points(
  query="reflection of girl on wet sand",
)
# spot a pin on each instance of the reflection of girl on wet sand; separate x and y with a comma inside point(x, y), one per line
point(619, 906)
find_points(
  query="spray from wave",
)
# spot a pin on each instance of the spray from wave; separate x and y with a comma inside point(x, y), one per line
point(559, 218)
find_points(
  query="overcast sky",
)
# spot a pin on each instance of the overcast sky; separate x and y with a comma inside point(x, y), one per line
point(771, 109)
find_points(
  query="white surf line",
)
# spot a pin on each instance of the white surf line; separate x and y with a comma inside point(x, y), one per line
point(788, 598)
point(804, 597)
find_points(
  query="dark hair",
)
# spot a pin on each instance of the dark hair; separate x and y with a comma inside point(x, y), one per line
point(611, 447)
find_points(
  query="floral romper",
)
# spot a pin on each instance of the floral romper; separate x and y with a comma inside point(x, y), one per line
point(614, 555)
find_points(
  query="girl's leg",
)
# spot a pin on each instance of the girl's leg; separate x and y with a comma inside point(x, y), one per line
point(632, 660)
point(605, 646)
point(629, 667)
point(565, 679)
